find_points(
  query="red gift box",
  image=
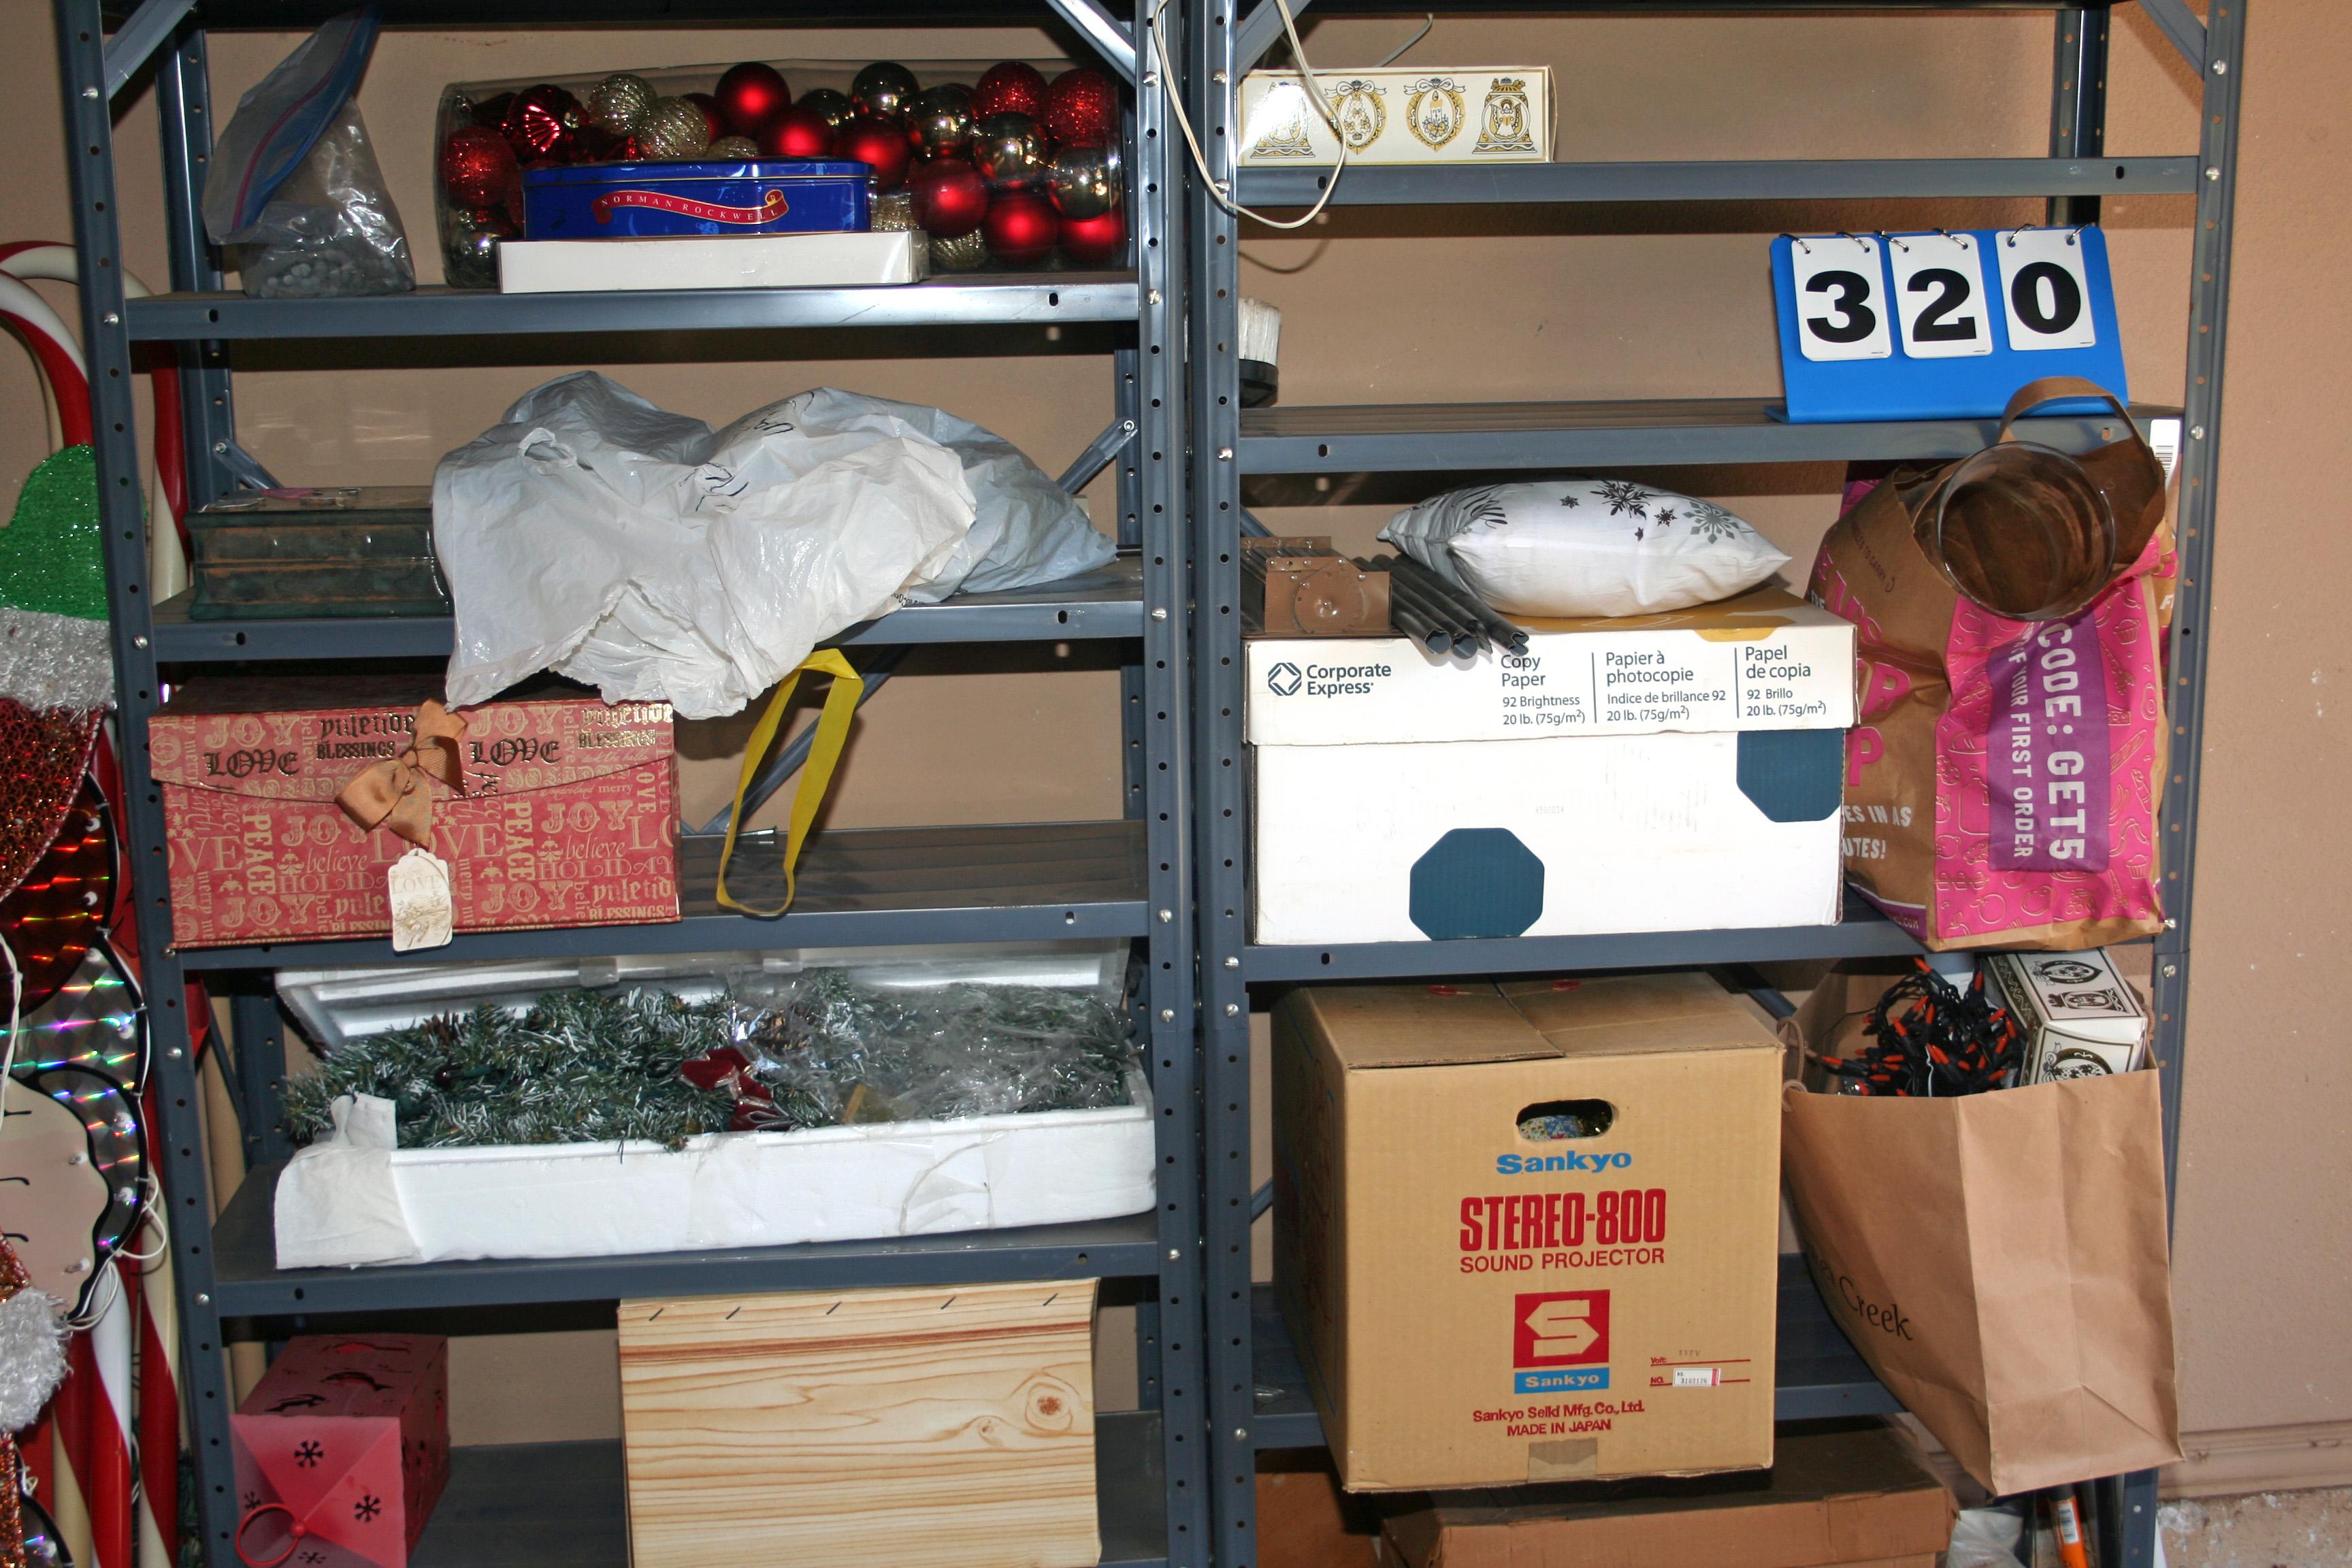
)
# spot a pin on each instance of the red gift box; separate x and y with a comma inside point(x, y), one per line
point(568, 814)
point(342, 1449)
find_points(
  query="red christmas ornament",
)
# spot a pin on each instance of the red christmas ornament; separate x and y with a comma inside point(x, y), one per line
point(1013, 87)
point(1020, 229)
point(950, 198)
point(1093, 241)
point(594, 144)
point(750, 95)
point(878, 143)
point(1082, 109)
point(542, 121)
point(799, 131)
point(711, 115)
point(477, 167)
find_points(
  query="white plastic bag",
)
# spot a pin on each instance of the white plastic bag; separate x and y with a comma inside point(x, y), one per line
point(591, 534)
point(1585, 547)
point(1029, 529)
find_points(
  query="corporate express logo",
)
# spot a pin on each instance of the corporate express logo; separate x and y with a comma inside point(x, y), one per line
point(1287, 680)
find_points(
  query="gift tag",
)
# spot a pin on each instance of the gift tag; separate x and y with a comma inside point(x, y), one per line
point(1839, 305)
point(2046, 284)
point(1939, 295)
point(422, 911)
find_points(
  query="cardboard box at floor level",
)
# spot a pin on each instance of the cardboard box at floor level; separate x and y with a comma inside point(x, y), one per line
point(567, 813)
point(951, 1426)
point(1839, 1495)
point(1531, 1233)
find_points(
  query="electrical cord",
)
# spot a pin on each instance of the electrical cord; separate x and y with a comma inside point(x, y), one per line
point(1409, 43)
point(1216, 188)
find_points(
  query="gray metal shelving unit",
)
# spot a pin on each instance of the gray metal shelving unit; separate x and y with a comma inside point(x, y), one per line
point(1255, 1398)
point(562, 1503)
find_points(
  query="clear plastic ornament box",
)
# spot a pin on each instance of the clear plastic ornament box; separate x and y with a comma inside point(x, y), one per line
point(352, 1202)
point(466, 264)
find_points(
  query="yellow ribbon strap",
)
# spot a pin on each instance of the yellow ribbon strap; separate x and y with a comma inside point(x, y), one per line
point(393, 793)
point(816, 775)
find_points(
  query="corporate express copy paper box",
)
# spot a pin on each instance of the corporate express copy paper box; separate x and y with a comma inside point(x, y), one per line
point(568, 814)
point(1651, 773)
point(1475, 1306)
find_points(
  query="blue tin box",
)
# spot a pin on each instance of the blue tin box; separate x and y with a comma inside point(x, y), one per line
point(637, 200)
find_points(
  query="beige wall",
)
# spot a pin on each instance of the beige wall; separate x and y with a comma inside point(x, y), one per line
point(1448, 304)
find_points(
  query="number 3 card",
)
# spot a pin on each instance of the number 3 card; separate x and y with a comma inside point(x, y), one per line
point(1838, 298)
point(1943, 325)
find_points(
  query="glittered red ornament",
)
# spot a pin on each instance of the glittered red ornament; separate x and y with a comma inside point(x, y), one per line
point(1020, 229)
point(477, 167)
point(750, 95)
point(878, 143)
point(50, 920)
point(950, 198)
point(46, 752)
point(542, 121)
point(711, 115)
point(799, 131)
point(1095, 241)
point(1082, 109)
point(1013, 87)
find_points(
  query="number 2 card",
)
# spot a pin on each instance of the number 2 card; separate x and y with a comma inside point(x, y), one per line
point(1939, 295)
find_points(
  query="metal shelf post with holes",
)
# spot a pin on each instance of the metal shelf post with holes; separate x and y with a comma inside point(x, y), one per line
point(1257, 1397)
point(1125, 878)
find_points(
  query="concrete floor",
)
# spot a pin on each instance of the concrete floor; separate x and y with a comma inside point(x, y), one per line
point(2264, 1530)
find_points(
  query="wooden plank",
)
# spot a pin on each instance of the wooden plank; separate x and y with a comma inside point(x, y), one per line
point(945, 1425)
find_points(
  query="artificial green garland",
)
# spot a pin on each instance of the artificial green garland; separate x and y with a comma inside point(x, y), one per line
point(815, 1050)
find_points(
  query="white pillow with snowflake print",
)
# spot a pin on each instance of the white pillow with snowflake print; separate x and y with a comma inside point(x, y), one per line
point(1585, 547)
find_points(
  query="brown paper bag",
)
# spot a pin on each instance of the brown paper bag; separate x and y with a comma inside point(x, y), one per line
point(1999, 1259)
point(2003, 780)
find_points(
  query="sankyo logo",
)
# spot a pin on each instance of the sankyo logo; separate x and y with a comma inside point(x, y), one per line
point(1283, 679)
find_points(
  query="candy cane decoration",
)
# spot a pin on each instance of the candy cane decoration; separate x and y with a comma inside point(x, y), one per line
point(167, 562)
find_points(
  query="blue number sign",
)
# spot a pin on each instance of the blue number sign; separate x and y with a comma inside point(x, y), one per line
point(1943, 325)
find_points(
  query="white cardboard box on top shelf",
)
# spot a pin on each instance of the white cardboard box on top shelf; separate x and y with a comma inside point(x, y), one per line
point(358, 1199)
point(1661, 772)
point(714, 262)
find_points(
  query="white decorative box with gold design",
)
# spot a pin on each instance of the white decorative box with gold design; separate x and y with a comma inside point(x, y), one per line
point(1483, 114)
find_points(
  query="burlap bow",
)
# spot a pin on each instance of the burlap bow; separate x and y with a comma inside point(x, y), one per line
point(393, 793)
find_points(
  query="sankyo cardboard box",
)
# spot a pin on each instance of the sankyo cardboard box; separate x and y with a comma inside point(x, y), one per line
point(1475, 1306)
point(1399, 114)
point(1848, 1495)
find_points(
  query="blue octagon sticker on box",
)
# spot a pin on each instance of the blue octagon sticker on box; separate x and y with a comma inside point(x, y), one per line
point(645, 201)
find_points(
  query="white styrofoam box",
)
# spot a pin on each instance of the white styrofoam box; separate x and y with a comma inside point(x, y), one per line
point(350, 1199)
point(333, 1005)
point(713, 261)
point(1400, 114)
point(1765, 660)
point(1556, 837)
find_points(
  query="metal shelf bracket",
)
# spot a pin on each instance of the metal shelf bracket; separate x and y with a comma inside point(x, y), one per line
point(1110, 38)
point(2180, 25)
point(139, 38)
